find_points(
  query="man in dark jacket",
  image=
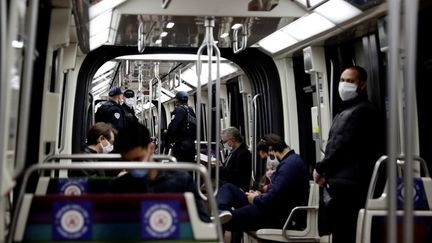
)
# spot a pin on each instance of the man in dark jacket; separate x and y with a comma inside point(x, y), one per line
point(128, 107)
point(133, 144)
point(111, 111)
point(182, 130)
point(254, 210)
point(237, 168)
point(354, 144)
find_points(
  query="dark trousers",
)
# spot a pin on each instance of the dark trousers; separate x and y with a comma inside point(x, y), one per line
point(246, 217)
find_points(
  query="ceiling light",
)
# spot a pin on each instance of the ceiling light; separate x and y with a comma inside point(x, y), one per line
point(100, 23)
point(236, 26)
point(224, 35)
point(170, 25)
point(103, 6)
point(17, 44)
point(163, 34)
point(337, 11)
point(277, 41)
point(158, 42)
point(308, 26)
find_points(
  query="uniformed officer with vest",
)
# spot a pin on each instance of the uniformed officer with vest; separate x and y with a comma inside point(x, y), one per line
point(111, 111)
point(182, 129)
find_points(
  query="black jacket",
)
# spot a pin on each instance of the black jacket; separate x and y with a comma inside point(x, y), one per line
point(238, 169)
point(180, 128)
point(129, 113)
point(355, 143)
point(111, 112)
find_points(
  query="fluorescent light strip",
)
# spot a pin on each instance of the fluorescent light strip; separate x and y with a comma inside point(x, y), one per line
point(337, 11)
point(100, 23)
point(163, 34)
point(170, 25)
point(236, 26)
point(166, 57)
point(158, 42)
point(308, 26)
point(277, 41)
point(224, 35)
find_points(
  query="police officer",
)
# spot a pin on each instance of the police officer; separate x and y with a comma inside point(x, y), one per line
point(128, 106)
point(182, 129)
point(111, 111)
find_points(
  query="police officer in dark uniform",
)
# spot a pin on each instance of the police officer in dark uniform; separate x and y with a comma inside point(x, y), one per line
point(111, 111)
point(182, 129)
point(128, 106)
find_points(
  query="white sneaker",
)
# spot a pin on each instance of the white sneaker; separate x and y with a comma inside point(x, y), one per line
point(224, 216)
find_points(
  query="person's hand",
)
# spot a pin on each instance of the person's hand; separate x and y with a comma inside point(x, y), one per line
point(319, 179)
point(251, 195)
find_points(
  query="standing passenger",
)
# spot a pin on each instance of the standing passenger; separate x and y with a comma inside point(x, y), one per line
point(128, 107)
point(237, 168)
point(353, 146)
point(182, 129)
point(111, 111)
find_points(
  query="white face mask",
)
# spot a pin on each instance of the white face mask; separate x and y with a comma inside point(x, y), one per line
point(130, 102)
point(272, 163)
point(226, 147)
point(347, 91)
point(107, 149)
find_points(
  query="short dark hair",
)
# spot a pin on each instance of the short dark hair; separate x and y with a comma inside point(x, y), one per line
point(262, 146)
point(362, 74)
point(129, 93)
point(98, 129)
point(276, 142)
point(132, 136)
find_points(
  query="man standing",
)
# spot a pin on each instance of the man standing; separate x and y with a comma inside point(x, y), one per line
point(182, 129)
point(128, 106)
point(354, 144)
point(111, 111)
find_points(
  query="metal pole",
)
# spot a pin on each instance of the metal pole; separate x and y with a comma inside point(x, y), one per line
point(159, 92)
point(410, 23)
point(26, 87)
point(393, 70)
point(254, 134)
point(318, 98)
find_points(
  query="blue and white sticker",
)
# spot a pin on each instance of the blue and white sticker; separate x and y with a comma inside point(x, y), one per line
point(160, 220)
point(72, 220)
point(72, 187)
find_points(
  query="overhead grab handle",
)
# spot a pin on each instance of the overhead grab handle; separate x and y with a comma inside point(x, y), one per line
point(141, 38)
point(239, 46)
point(165, 3)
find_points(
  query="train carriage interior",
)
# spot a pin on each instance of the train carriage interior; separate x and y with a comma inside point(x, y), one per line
point(261, 66)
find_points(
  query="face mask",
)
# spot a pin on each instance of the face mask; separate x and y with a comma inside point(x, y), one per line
point(347, 91)
point(130, 102)
point(107, 149)
point(272, 163)
point(138, 173)
point(226, 147)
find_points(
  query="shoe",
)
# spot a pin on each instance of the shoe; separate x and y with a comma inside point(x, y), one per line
point(224, 216)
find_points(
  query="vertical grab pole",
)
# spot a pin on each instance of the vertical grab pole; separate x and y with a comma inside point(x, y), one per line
point(318, 98)
point(211, 46)
point(159, 93)
point(150, 99)
point(254, 134)
point(410, 23)
point(393, 70)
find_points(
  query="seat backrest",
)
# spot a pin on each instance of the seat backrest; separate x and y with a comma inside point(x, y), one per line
point(111, 218)
point(72, 186)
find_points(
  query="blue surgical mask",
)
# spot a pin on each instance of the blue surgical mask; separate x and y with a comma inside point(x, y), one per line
point(130, 102)
point(347, 91)
point(138, 173)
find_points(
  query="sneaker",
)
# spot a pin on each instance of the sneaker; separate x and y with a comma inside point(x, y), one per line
point(224, 216)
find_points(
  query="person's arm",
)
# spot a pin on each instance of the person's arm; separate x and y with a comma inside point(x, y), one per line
point(116, 117)
point(176, 120)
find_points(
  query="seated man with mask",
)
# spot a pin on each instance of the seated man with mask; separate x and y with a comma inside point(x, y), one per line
point(133, 144)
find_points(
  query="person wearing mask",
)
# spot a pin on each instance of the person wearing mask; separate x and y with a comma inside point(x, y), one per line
point(354, 144)
point(242, 211)
point(128, 106)
point(100, 140)
point(134, 144)
point(271, 164)
point(237, 168)
point(111, 111)
point(182, 130)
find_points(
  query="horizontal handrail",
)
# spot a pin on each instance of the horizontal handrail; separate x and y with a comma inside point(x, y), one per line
point(113, 166)
point(108, 157)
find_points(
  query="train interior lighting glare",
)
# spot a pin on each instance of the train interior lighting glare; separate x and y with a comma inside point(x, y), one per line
point(170, 25)
point(190, 74)
point(224, 35)
point(277, 41)
point(308, 26)
point(337, 11)
point(236, 26)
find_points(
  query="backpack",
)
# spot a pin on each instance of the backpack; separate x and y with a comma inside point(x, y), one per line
point(102, 112)
point(189, 122)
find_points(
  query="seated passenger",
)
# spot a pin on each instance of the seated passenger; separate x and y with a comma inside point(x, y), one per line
point(245, 211)
point(133, 143)
point(271, 165)
point(100, 139)
point(237, 168)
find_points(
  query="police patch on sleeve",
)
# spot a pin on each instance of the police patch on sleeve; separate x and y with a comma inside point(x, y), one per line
point(160, 220)
point(172, 117)
point(72, 187)
point(72, 220)
point(117, 115)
